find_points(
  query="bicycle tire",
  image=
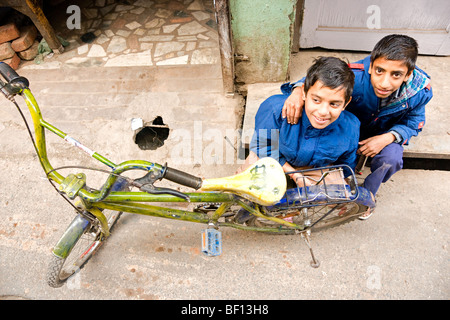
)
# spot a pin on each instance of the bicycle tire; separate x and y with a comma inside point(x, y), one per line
point(342, 214)
point(61, 269)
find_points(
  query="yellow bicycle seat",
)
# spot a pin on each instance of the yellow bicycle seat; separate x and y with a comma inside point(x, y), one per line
point(264, 182)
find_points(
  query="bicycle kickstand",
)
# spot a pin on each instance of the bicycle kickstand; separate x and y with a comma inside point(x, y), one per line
point(305, 235)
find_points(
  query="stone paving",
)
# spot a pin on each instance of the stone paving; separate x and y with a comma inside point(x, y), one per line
point(138, 33)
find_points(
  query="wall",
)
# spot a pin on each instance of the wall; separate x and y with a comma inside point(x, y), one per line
point(359, 25)
point(262, 37)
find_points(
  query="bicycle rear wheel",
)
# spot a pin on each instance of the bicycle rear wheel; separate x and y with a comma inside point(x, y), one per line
point(320, 217)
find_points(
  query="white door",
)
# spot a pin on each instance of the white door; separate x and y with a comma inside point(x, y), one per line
point(359, 24)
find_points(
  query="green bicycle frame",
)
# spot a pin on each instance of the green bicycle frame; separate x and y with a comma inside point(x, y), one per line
point(132, 201)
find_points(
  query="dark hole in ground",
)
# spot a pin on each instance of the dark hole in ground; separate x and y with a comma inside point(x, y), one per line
point(423, 164)
point(152, 136)
point(426, 164)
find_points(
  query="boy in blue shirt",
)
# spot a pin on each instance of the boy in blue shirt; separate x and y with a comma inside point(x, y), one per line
point(326, 134)
point(389, 99)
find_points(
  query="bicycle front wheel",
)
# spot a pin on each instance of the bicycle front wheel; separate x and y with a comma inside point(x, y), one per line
point(79, 243)
point(88, 239)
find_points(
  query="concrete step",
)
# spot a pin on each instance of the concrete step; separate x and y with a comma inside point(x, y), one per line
point(207, 78)
point(96, 106)
point(101, 99)
point(113, 86)
point(177, 110)
point(180, 93)
point(204, 71)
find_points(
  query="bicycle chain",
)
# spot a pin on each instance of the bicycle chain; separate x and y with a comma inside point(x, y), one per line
point(200, 207)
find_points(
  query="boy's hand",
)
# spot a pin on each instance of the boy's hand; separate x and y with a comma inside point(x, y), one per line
point(300, 180)
point(293, 106)
point(373, 145)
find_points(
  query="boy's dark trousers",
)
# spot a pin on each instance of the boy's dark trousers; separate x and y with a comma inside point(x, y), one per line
point(383, 166)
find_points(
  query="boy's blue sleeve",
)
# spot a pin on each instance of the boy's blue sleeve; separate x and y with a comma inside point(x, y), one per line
point(286, 88)
point(413, 122)
point(350, 157)
point(265, 140)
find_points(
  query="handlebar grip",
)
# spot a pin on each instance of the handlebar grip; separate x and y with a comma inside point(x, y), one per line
point(183, 178)
point(7, 72)
point(16, 82)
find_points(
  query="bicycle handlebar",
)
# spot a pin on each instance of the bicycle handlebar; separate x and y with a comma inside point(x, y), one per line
point(15, 83)
point(159, 172)
point(7, 72)
point(182, 178)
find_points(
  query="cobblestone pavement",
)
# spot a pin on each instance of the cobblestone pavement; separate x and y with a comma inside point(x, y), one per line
point(135, 33)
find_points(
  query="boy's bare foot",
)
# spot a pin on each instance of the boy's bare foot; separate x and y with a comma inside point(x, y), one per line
point(367, 214)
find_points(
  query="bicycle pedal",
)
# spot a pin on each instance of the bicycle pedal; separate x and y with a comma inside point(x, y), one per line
point(212, 242)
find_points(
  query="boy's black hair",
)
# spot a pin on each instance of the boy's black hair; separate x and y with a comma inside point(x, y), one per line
point(397, 47)
point(333, 73)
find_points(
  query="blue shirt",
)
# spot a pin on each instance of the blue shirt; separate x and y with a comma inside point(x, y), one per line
point(403, 112)
point(302, 144)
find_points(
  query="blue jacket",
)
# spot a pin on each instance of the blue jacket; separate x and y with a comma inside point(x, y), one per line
point(302, 144)
point(404, 114)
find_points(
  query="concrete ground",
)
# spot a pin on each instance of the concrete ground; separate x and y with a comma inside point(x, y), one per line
point(400, 253)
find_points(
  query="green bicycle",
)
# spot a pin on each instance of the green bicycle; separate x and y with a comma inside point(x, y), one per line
point(260, 190)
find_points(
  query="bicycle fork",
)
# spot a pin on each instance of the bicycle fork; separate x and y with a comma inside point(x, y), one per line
point(306, 236)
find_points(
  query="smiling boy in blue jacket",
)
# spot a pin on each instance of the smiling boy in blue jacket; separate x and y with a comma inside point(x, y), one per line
point(326, 134)
point(389, 99)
